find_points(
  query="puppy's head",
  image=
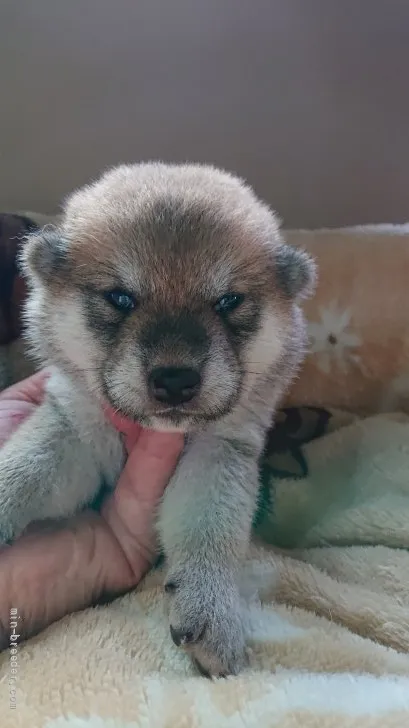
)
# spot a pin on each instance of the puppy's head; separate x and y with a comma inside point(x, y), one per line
point(167, 289)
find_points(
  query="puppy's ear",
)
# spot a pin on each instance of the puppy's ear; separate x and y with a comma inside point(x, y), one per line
point(44, 254)
point(296, 272)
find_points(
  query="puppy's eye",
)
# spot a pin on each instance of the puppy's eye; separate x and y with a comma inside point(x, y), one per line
point(229, 302)
point(121, 300)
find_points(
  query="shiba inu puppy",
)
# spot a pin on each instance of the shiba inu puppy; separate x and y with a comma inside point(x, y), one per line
point(167, 293)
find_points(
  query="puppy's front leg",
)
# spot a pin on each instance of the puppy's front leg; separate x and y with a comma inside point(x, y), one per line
point(47, 470)
point(205, 526)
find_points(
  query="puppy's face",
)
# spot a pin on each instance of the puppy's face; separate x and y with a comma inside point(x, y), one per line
point(167, 289)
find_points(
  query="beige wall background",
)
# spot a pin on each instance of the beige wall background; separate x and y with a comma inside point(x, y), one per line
point(308, 99)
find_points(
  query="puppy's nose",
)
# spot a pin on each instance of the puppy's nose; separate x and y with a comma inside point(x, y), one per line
point(174, 385)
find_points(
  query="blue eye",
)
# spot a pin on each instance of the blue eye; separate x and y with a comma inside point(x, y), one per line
point(229, 302)
point(120, 300)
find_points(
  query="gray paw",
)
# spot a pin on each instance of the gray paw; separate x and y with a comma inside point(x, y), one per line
point(204, 615)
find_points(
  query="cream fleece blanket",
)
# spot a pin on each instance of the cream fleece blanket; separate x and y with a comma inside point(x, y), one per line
point(327, 621)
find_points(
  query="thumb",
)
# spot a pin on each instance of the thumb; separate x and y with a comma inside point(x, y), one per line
point(130, 511)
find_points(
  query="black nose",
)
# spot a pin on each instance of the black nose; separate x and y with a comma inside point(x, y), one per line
point(174, 385)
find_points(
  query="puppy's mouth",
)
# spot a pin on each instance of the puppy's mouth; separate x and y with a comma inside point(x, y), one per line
point(156, 416)
point(174, 416)
point(163, 417)
point(166, 419)
point(173, 419)
point(173, 411)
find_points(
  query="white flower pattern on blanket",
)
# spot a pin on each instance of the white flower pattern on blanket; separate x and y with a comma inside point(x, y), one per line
point(331, 339)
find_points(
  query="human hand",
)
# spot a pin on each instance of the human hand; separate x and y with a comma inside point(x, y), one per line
point(54, 570)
